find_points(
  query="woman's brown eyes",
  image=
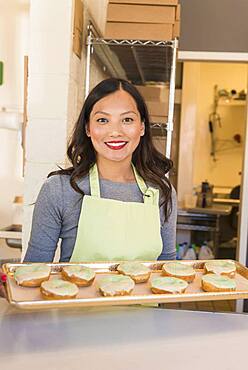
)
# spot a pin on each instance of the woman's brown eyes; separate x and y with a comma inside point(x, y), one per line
point(128, 119)
point(102, 120)
point(125, 120)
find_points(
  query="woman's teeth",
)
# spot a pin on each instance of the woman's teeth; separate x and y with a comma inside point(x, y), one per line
point(116, 145)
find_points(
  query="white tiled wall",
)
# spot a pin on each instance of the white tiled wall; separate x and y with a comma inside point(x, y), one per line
point(55, 90)
point(46, 57)
point(48, 96)
point(49, 62)
point(47, 15)
point(46, 149)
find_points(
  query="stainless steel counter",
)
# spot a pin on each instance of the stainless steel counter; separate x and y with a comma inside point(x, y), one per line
point(121, 338)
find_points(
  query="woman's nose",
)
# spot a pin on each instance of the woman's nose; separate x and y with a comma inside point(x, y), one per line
point(115, 128)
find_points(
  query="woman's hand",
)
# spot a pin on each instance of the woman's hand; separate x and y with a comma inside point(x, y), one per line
point(2, 284)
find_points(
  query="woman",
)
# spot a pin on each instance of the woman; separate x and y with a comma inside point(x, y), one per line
point(114, 202)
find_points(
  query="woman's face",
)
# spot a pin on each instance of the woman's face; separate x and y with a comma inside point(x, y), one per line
point(115, 127)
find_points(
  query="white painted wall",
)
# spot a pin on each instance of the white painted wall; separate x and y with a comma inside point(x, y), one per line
point(225, 170)
point(14, 18)
point(195, 162)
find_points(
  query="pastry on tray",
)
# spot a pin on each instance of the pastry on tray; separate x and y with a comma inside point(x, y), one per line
point(164, 285)
point(116, 285)
point(80, 275)
point(58, 289)
point(217, 283)
point(32, 275)
point(179, 270)
point(136, 270)
point(221, 267)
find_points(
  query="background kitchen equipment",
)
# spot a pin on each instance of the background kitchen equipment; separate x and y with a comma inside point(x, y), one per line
point(12, 233)
point(205, 196)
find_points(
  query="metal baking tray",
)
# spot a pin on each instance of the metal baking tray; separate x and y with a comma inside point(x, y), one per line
point(30, 298)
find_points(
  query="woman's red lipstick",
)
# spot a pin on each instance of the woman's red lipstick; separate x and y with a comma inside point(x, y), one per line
point(116, 145)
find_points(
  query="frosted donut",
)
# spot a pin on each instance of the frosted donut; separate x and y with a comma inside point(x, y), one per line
point(217, 283)
point(164, 285)
point(58, 289)
point(80, 275)
point(227, 268)
point(179, 270)
point(116, 285)
point(32, 275)
point(136, 270)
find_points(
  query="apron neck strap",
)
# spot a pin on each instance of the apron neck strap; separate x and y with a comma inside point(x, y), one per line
point(94, 181)
point(141, 183)
point(95, 185)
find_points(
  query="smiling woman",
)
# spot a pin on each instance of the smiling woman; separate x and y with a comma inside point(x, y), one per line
point(114, 202)
point(115, 128)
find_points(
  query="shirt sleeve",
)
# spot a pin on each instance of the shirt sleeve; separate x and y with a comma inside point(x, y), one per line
point(168, 231)
point(46, 223)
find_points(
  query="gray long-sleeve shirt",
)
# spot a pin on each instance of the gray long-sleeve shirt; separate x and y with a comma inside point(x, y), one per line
point(57, 212)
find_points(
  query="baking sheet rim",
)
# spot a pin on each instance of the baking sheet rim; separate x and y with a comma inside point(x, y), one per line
point(130, 299)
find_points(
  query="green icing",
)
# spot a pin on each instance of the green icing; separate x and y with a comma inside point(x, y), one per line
point(116, 279)
point(178, 268)
point(31, 271)
point(219, 280)
point(82, 271)
point(223, 265)
point(59, 286)
point(134, 268)
point(165, 282)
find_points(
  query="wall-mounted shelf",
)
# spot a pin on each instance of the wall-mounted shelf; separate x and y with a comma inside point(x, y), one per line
point(232, 103)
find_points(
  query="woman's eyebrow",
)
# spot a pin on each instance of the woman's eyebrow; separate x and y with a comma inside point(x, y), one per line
point(130, 111)
point(101, 112)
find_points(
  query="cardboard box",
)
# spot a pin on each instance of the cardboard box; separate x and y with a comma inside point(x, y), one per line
point(78, 15)
point(178, 12)
point(176, 29)
point(157, 108)
point(78, 28)
point(77, 42)
point(149, 2)
point(139, 31)
point(157, 119)
point(159, 93)
point(141, 13)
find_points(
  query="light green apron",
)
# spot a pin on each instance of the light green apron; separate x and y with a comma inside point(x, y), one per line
point(112, 230)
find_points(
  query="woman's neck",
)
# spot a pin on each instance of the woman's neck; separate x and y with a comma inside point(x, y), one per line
point(115, 171)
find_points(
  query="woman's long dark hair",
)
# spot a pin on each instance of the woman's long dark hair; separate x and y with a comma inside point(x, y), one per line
point(149, 162)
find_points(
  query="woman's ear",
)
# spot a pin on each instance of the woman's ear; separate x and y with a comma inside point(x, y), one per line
point(142, 129)
point(87, 130)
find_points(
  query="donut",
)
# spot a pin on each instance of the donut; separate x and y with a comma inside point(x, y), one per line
point(217, 283)
point(116, 285)
point(227, 268)
point(164, 285)
point(80, 275)
point(136, 270)
point(179, 270)
point(58, 289)
point(32, 275)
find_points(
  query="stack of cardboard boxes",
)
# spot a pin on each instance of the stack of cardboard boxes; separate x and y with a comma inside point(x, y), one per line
point(157, 101)
point(156, 98)
point(143, 19)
